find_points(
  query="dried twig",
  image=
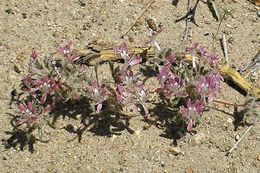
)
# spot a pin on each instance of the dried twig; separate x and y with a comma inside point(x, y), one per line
point(214, 10)
point(189, 17)
point(249, 128)
point(224, 46)
point(148, 6)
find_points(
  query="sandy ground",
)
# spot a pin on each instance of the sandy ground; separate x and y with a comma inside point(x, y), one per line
point(43, 25)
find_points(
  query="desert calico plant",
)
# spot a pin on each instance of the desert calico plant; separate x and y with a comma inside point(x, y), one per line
point(187, 85)
point(48, 82)
point(59, 78)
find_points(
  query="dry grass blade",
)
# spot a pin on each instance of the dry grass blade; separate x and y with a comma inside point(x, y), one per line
point(242, 137)
point(147, 7)
point(224, 46)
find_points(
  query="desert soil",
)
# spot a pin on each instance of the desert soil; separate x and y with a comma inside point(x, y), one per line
point(44, 24)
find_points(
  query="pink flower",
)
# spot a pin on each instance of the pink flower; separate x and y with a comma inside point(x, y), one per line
point(134, 59)
point(129, 59)
point(47, 85)
point(33, 56)
point(97, 93)
point(211, 58)
point(172, 85)
point(29, 114)
point(192, 111)
point(67, 52)
point(66, 48)
point(152, 38)
point(170, 59)
point(122, 51)
point(164, 74)
point(123, 95)
point(165, 71)
point(131, 98)
point(208, 86)
point(130, 91)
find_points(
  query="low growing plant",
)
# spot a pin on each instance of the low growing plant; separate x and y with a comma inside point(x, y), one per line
point(186, 86)
point(52, 81)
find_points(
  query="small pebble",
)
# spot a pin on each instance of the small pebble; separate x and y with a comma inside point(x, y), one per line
point(21, 56)
point(175, 150)
point(229, 120)
point(17, 68)
point(206, 34)
point(82, 4)
point(189, 170)
point(207, 22)
point(131, 39)
point(24, 15)
point(162, 164)
point(237, 137)
point(258, 157)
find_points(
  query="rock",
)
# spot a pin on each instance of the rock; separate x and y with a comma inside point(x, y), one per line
point(17, 68)
point(176, 150)
point(230, 120)
point(4, 158)
point(131, 39)
point(237, 137)
point(189, 170)
point(258, 157)
point(163, 164)
point(198, 139)
point(24, 15)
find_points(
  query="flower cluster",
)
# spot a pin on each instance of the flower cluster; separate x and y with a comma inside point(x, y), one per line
point(67, 51)
point(191, 112)
point(130, 92)
point(129, 59)
point(194, 87)
point(29, 114)
point(129, 88)
point(210, 58)
point(208, 86)
point(97, 94)
point(46, 85)
point(172, 84)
